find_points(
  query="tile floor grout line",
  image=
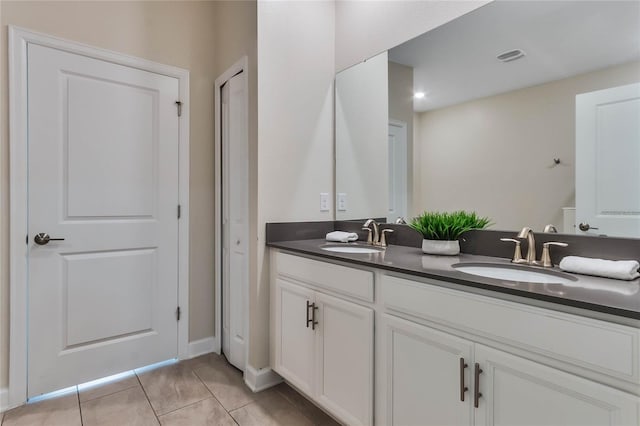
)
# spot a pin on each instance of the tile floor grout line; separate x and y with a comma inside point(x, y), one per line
point(79, 406)
point(219, 402)
point(144, 391)
point(212, 394)
point(108, 394)
point(188, 405)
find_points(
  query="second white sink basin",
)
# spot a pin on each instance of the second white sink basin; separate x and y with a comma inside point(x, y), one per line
point(351, 249)
point(515, 273)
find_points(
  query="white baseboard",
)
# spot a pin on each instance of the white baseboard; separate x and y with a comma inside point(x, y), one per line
point(259, 380)
point(203, 346)
point(4, 399)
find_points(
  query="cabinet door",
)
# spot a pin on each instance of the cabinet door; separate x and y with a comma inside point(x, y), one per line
point(345, 359)
point(516, 391)
point(295, 339)
point(423, 374)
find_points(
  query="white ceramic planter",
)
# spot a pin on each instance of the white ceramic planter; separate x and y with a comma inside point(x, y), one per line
point(447, 248)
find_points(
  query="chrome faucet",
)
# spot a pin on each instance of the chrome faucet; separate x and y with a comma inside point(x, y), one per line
point(376, 231)
point(376, 238)
point(527, 233)
point(550, 229)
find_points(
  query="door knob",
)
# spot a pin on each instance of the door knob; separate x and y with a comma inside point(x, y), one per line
point(43, 238)
point(585, 227)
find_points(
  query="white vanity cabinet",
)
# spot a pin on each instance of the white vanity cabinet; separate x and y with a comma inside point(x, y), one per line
point(425, 383)
point(444, 354)
point(321, 343)
point(518, 391)
point(441, 348)
point(431, 380)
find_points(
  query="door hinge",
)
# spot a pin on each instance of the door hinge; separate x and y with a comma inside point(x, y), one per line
point(178, 313)
point(179, 105)
point(179, 211)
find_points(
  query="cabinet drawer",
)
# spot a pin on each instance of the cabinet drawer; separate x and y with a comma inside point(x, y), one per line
point(341, 279)
point(603, 347)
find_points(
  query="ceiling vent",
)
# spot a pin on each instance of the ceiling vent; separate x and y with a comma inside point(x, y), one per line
point(511, 55)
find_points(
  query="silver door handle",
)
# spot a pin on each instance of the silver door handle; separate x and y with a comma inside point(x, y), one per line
point(43, 238)
point(585, 227)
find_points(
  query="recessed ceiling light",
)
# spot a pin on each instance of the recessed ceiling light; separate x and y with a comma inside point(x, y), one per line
point(419, 95)
point(511, 55)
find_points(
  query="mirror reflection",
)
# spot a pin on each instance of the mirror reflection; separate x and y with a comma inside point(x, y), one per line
point(526, 112)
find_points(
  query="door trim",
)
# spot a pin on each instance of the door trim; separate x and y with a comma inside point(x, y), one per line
point(240, 66)
point(19, 38)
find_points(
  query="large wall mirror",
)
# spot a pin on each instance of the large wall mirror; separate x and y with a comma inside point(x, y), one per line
point(524, 111)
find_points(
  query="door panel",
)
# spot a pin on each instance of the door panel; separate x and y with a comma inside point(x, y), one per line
point(235, 200)
point(345, 359)
point(109, 126)
point(423, 376)
point(516, 391)
point(122, 279)
point(103, 175)
point(608, 156)
point(295, 351)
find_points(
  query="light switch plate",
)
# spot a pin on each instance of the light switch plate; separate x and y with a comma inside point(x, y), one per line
point(324, 201)
point(342, 202)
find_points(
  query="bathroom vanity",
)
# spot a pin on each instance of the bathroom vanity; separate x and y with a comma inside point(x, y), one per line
point(401, 338)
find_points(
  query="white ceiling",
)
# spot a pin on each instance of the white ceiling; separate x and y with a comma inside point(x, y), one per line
point(457, 62)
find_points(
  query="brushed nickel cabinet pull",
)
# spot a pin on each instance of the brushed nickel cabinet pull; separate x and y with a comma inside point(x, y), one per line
point(309, 320)
point(476, 393)
point(314, 308)
point(463, 388)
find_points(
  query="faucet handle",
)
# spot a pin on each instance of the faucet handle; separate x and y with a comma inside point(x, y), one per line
point(546, 256)
point(517, 253)
point(383, 238)
point(369, 238)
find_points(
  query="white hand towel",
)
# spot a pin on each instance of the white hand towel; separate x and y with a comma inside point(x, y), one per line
point(617, 269)
point(342, 237)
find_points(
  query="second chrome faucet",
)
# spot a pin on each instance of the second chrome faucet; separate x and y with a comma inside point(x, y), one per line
point(545, 259)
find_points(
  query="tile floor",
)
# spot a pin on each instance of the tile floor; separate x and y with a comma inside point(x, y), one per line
point(201, 391)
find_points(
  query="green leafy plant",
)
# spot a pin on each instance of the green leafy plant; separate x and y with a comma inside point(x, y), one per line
point(447, 226)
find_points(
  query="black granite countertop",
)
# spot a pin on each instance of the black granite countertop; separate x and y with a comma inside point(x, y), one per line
point(613, 297)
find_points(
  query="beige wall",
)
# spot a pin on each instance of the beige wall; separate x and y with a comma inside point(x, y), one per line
point(295, 132)
point(401, 109)
point(495, 155)
point(176, 33)
point(366, 28)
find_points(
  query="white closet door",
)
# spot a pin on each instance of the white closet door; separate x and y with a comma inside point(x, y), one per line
point(103, 175)
point(235, 199)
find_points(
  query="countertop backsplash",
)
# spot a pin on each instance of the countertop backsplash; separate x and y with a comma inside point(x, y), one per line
point(480, 242)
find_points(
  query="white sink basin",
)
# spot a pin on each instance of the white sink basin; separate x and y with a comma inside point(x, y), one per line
point(514, 273)
point(352, 249)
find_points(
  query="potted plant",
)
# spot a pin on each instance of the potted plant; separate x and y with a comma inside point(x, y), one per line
point(441, 231)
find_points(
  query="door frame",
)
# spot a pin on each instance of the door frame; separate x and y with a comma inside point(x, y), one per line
point(19, 38)
point(405, 126)
point(241, 65)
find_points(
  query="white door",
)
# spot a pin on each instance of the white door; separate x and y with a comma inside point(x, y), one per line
point(397, 171)
point(425, 379)
point(103, 175)
point(235, 219)
point(295, 345)
point(516, 391)
point(608, 162)
point(344, 364)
